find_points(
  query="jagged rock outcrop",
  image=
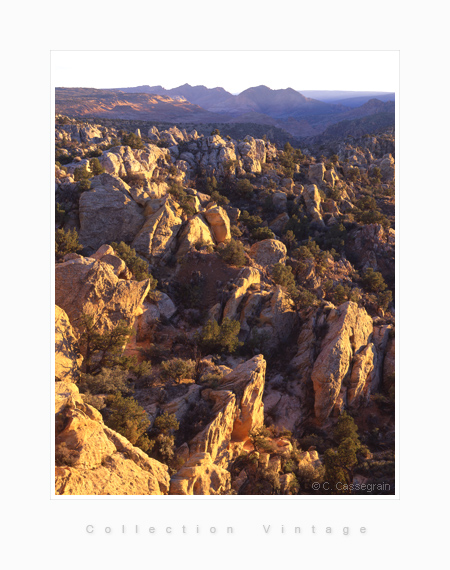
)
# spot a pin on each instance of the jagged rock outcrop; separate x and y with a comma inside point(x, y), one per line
point(108, 213)
point(92, 459)
point(316, 173)
point(278, 319)
point(90, 286)
point(125, 161)
point(340, 355)
point(248, 277)
point(312, 201)
point(376, 247)
point(237, 409)
point(195, 233)
point(200, 476)
point(157, 238)
point(349, 329)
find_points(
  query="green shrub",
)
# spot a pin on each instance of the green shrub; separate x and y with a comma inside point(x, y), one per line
point(219, 339)
point(262, 233)
point(251, 222)
point(107, 381)
point(244, 188)
point(260, 440)
point(84, 185)
point(219, 199)
point(126, 416)
point(81, 173)
point(373, 281)
point(133, 141)
point(346, 428)
point(96, 167)
point(166, 423)
point(282, 275)
point(66, 242)
point(135, 264)
point(60, 213)
point(177, 369)
point(233, 253)
point(185, 201)
point(101, 349)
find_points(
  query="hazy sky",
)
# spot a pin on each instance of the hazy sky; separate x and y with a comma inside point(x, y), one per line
point(232, 70)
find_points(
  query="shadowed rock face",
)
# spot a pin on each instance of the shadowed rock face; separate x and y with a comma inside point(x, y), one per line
point(108, 213)
point(89, 286)
point(67, 359)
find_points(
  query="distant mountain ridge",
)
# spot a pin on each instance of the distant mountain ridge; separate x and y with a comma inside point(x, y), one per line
point(282, 108)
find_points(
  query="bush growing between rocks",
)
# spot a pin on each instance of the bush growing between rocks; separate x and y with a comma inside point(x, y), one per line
point(96, 167)
point(219, 199)
point(177, 369)
point(81, 173)
point(244, 188)
point(233, 253)
point(107, 381)
point(282, 275)
point(101, 349)
point(137, 266)
point(132, 140)
point(219, 339)
point(84, 185)
point(262, 233)
point(128, 418)
point(66, 242)
point(373, 281)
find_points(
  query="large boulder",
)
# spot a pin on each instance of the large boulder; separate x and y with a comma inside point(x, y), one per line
point(278, 318)
point(268, 252)
point(108, 213)
point(89, 286)
point(316, 173)
point(237, 409)
point(219, 222)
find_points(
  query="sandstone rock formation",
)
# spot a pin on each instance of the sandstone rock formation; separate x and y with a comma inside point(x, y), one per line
point(196, 233)
point(108, 213)
point(67, 358)
point(95, 460)
point(219, 222)
point(268, 252)
point(237, 410)
point(349, 330)
point(89, 286)
point(92, 459)
point(200, 476)
point(157, 238)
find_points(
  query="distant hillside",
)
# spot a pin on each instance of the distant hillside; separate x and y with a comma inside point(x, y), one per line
point(199, 95)
point(80, 102)
point(349, 98)
point(284, 109)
